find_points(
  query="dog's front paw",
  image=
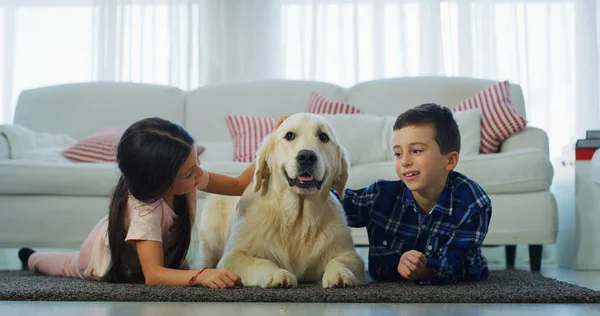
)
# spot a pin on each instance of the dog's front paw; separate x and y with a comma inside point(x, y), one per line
point(280, 278)
point(339, 278)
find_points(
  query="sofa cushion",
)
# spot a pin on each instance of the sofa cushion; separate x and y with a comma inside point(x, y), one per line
point(519, 171)
point(207, 106)
point(217, 151)
point(98, 147)
point(395, 95)
point(57, 178)
point(78, 179)
point(375, 138)
point(525, 170)
point(499, 118)
point(248, 132)
point(320, 104)
point(371, 144)
point(469, 126)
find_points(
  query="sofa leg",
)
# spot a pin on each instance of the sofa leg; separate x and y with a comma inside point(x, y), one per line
point(535, 257)
point(511, 252)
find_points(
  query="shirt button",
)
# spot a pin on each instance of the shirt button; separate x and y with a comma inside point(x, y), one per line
point(384, 242)
point(423, 226)
point(429, 247)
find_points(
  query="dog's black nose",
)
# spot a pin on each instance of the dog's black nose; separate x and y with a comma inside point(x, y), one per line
point(306, 158)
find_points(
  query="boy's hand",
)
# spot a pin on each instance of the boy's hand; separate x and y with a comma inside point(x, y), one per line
point(279, 121)
point(412, 265)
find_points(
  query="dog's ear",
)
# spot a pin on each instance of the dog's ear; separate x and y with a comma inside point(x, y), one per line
point(341, 174)
point(263, 171)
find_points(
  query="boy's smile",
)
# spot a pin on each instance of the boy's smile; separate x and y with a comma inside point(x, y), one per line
point(410, 175)
point(420, 164)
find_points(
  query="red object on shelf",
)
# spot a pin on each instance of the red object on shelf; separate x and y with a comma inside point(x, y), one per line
point(584, 153)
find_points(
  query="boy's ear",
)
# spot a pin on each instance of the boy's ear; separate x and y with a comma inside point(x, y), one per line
point(452, 161)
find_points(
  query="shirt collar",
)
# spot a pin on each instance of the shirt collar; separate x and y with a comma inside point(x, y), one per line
point(443, 205)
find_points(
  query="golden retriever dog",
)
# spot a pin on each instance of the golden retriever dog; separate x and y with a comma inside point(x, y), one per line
point(287, 227)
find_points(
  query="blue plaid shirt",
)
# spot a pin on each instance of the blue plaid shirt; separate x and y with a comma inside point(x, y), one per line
point(450, 236)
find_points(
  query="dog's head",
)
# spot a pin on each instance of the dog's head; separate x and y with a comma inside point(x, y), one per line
point(303, 152)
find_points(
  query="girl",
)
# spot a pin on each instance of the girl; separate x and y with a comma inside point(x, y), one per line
point(146, 235)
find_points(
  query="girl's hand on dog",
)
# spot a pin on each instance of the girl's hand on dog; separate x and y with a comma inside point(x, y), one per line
point(218, 279)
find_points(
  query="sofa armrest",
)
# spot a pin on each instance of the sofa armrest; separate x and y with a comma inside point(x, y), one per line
point(529, 137)
point(4, 148)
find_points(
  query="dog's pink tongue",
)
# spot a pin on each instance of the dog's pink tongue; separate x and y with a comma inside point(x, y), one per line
point(305, 178)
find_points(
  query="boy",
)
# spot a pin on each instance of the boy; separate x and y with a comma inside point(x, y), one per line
point(428, 226)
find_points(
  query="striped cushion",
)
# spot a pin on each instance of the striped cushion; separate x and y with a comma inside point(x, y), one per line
point(98, 147)
point(319, 104)
point(499, 118)
point(247, 132)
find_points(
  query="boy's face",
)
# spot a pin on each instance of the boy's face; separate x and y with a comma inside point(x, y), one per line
point(419, 162)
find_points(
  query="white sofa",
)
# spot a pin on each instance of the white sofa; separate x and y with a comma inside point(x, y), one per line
point(51, 202)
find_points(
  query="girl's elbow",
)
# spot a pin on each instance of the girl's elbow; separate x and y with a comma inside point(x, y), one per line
point(151, 281)
point(152, 278)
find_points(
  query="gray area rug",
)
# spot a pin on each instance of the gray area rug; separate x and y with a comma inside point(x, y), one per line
point(506, 286)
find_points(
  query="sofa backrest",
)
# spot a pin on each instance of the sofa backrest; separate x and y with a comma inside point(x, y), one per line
point(84, 108)
point(81, 109)
point(206, 107)
point(393, 96)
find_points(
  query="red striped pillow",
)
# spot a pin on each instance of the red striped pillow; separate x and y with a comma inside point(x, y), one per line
point(98, 147)
point(247, 132)
point(499, 118)
point(101, 147)
point(319, 104)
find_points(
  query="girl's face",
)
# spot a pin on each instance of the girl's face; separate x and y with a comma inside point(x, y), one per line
point(189, 174)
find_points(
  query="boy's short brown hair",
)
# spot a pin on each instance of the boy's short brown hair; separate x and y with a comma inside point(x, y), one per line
point(445, 129)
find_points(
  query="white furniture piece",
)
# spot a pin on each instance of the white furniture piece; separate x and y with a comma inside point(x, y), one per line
point(578, 197)
point(54, 203)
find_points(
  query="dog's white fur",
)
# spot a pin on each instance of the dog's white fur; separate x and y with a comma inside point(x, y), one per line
point(277, 235)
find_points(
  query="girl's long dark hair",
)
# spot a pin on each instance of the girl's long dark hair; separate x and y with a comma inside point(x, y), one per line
point(149, 155)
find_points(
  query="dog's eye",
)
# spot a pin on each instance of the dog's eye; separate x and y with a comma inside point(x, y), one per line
point(324, 137)
point(289, 136)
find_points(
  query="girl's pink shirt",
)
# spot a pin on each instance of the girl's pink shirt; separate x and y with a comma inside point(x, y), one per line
point(152, 221)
